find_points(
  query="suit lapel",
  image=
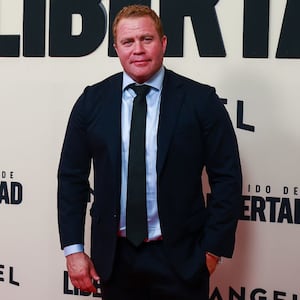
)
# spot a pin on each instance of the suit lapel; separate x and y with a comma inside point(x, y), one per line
point(171, 102)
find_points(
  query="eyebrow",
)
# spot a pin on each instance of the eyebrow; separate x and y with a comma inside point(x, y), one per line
point(140, 37)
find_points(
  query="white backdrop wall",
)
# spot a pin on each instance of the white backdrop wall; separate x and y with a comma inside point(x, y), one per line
point(37, 94)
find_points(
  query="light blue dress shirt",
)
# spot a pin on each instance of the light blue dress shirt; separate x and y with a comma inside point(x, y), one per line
point(153, 99)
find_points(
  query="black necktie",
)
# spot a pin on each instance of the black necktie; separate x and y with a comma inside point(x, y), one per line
point(136, 210)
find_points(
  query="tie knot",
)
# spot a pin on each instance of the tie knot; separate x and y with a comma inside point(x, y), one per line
point(140, 90)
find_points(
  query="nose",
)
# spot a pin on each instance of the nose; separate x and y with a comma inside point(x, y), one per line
point(138, 47)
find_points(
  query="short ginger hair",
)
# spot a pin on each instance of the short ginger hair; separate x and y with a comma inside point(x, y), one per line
point(135, 11)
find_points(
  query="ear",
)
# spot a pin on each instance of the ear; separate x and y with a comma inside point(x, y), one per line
point(164, 42)
point(116, 48)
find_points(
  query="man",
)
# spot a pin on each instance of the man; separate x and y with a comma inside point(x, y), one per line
point(187, 129)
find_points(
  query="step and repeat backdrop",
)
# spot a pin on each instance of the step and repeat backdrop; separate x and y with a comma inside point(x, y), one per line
point(248, 49)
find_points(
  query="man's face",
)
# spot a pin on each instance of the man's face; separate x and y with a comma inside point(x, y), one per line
point(139, 47)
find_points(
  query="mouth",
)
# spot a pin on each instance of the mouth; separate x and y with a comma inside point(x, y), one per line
point(140, 62)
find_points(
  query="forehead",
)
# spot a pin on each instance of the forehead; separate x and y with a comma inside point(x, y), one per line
point(135, 25)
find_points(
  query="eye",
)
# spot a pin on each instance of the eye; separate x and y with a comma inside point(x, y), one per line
point(127, 43)
point(148, 39)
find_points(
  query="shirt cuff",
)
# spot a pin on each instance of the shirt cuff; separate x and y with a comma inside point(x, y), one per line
point(73, 249)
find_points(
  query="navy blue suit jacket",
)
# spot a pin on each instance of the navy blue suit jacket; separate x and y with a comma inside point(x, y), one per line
point(194, 132)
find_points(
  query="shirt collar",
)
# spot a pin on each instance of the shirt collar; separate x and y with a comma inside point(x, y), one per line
point(155, 81)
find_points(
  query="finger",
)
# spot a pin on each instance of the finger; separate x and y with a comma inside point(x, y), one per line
point(83, 286)
point(94, 274)
point(88, 286)
point(75, 283)
point(82, 282)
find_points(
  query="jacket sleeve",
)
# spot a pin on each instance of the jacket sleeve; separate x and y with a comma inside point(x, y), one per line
point(223, 168)
point(73, 174)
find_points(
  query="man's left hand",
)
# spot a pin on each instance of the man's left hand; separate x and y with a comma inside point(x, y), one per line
point(211, 262)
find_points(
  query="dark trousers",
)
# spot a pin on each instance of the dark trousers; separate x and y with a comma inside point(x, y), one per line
point(144, 273)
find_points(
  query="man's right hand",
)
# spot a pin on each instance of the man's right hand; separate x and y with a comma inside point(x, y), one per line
point(82, 272)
